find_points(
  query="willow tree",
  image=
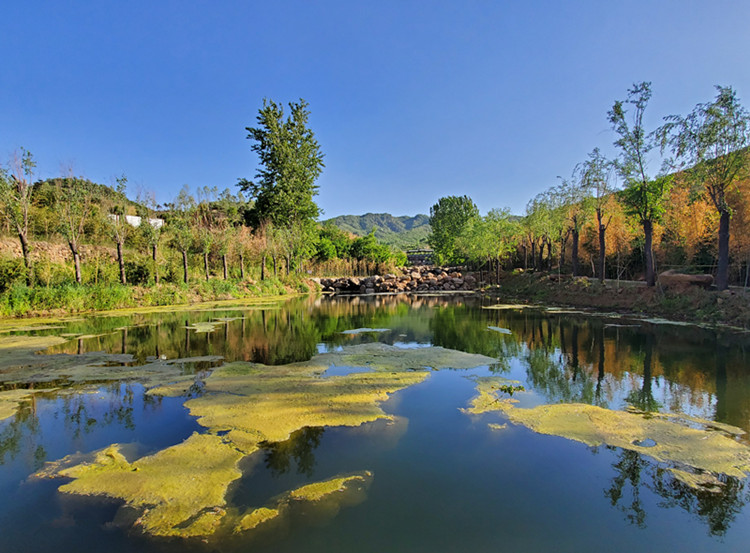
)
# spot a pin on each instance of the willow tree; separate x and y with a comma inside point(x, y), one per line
point(596, 178)
point(643, 196)
point(577, 209)
point(711, 145)
point(15, 198)
point(490, 239)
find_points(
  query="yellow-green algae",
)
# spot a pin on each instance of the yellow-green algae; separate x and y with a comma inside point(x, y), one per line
point(486, 399)
point(319, 490)
point(383, 357)
point(319, 499)
point(269, 404)
point(255, 518)
point(180, 490)
point(704, 448)
point(10, 400)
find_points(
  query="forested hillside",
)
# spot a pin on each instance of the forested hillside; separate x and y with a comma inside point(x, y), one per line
point(402, 232)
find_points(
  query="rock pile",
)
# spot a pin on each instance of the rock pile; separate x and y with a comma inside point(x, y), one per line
point(413, 279)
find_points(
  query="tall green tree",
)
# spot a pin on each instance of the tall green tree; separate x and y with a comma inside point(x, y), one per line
point(448, 217)
point(15, 198)
point(711, 145)
point(643, 196)
point(290, 161)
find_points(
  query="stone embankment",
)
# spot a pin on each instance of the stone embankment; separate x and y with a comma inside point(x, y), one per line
point(412, 279)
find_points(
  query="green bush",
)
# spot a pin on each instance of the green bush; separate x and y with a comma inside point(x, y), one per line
point(12, 270)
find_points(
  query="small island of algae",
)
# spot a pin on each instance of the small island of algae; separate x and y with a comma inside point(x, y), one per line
point(681, 441)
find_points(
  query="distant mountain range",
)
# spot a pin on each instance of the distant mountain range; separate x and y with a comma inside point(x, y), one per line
point(401, 232)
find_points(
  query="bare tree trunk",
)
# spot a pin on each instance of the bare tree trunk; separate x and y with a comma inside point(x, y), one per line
point(226, 269)
point(602, 245)
point(263, 267)
point(76, 261)
point(275, 272)
point(722, 268)
point(648, 233)
point(121, 262)
point(156, 264)
point(185, 265)
point(242, 266)
point(205, 264)
point(288, 264)
point(26, 258)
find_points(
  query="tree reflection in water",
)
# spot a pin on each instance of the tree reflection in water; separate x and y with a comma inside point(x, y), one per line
point(299, 448)
point(716, 507)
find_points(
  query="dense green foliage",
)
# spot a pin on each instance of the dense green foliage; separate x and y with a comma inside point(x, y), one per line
point(290, 162)
point(448, 217)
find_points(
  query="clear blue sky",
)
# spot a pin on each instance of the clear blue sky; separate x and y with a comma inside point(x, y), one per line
point(410, 100)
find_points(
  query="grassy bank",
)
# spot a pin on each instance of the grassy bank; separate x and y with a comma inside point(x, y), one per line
point(682, 303)
point(20, 300)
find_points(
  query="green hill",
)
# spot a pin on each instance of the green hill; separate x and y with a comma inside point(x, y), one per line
point(400, 232)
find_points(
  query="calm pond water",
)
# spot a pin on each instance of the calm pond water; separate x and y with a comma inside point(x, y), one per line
point(442, 479)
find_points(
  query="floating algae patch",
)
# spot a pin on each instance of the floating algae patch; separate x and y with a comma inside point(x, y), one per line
point(499, 329)
point(319, 501)
point(319, 490)
point(255, 518)
point(510, 306)
point(10, 401)
point(25, 343)
point(203, 327)
point(383, 357)
point(258, 403)
point(364, 330)
point(179, 491)
point(663, 438)
point(487, 399)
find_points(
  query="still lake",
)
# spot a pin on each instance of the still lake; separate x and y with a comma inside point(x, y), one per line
point(438, 477)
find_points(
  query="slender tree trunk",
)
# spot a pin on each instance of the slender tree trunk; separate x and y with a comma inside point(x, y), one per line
point(26, 258)
point(541, 256)
point(525, 257)
point(533, 253)
point(121, 263)
point(226, 269)
point(722, 269)
point(275, 272)
point(602, 245)
point(648, 251)
point(574, 253)
point(76, 261)
point(263, 267)
point(242, 267)
point(288, 264)
point(205, 264)
point(156, 264)
point(185, 266)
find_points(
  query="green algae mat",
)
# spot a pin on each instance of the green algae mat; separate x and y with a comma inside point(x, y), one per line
point(386, 423)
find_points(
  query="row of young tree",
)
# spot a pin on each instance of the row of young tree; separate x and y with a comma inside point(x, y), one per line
point(276, 223)
point(619, 210)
